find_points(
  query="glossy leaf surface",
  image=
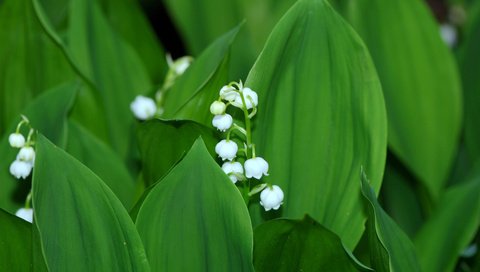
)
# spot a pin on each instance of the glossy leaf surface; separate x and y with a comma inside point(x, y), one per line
point(195, 219)
point(320, 117)
point(81, 222)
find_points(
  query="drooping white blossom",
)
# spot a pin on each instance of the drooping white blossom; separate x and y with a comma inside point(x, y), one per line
point(226, 149)
point(449, 34)
point(229, 93)
point(250, 96)
point(232, 169)
point(16, 140)
point(271, 197)
point(143, 107)
point(222, 122)
point(27, 154)
point(21, 169)
point(256, 167)
point(25, 214)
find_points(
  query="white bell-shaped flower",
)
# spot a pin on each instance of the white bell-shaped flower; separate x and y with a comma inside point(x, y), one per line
point(251, 99)
point(222, 122)
point(218, 107)
point(21, 169)
point(25, 214)
point(271, 198)
point(232, 169)
point(16, 140)
point(143, 107)
point(226, 149)
point(256, 167)
point(229, 93)
point(27, 154)
point(449, 34)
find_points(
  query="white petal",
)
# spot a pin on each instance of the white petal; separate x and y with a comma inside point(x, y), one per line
point(143, 107)
point(25, 214)
point(16, 140)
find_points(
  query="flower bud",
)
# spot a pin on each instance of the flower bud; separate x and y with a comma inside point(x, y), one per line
point(256, 167)
point(449, 34)
point(226, 149)
point(271, 197)
point(143, 107)
point(16, 140)
point(229, 93)
point(251, 99)
point(222, 122)
point(20, 169)
point(27, 154)
point(232, 169)
point(217, 108)
point(25, 214)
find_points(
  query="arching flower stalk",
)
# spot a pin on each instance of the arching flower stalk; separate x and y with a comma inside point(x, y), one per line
point(246, 176)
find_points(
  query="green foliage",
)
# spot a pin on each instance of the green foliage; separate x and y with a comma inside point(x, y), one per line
point(420, 82)
point(300, 245)
point(48, 114)
point(195, 219)
point(81, 222)
point(321, 116)
point(111, 193)
point(390, 248)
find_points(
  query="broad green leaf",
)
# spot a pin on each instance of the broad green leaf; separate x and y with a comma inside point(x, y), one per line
point(400, 199)
point(106, 62)
point(420, 83)
point(111, 64)
point(300, 245)
point(103, 161)
point(82, 224)
point(320, 117)
point(47, 113)
point(127, 18)
point(470, 65)
point(191, 95)
point(30, 63)
point(390, 247)
point(450, 227)
point(15, 243)
point(195, 219)
point(163, 143)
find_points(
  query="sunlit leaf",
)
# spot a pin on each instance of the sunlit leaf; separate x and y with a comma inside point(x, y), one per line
point(195, 219)
point(420, 83)
point(320, 117)
point(82, 224)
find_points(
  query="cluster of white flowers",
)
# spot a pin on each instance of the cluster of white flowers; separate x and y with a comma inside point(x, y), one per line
point(144, 107)
point(255, 167)
point(22, 166)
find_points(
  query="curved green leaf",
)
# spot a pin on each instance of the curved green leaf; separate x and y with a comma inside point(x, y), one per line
point(47, 113)
point(15, 242)
point(191, 95)
point(470, 65)
point(163, 143)
point(300, 245)
point(390, 247)
point(195, 219)
point(320, 117)
point(451, 226)
point(106, 62)
point(103, 161)
point(420, 83)
point(82, 224)
point(30, 63)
